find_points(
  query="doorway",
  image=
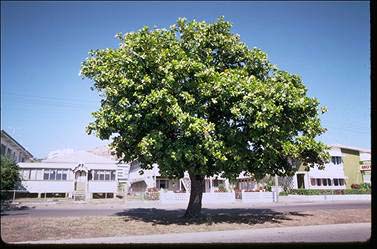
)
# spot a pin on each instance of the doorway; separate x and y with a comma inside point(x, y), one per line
point(81, 180)
point(301, 181)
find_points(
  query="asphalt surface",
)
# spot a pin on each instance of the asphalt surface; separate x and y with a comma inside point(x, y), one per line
point(113, 211)
point(356, 232)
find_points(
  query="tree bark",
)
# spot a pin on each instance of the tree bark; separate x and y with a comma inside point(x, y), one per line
point(195, 204)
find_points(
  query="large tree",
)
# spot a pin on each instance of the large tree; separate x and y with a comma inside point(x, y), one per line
point(10, 177)
point(195, 98)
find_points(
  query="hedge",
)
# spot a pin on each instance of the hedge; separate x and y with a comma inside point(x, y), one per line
point(325, 192)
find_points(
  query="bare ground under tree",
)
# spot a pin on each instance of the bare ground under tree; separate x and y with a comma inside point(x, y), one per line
point(141, 221)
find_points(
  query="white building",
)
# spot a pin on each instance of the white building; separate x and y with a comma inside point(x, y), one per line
point(153, 179)
point(331, 177)
point(11, 148)
point(77, 174)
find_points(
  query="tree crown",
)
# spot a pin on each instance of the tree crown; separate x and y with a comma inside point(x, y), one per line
point(194, 97)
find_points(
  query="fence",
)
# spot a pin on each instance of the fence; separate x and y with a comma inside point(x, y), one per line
point(217, 197)
point(257, 197)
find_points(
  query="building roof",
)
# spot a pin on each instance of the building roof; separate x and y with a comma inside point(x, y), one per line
point(350, 148)
point(5, 134)
point(80, 156)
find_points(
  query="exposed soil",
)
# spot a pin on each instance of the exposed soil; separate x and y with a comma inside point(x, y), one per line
point(142, 221)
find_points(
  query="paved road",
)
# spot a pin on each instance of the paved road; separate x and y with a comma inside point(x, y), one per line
point(101, 211)
point(318, 233)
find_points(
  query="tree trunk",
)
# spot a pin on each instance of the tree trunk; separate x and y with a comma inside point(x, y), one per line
point(195, 204)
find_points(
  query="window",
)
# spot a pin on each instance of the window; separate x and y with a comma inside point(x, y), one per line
point(46, 174)
point(329, 181)
point(341, 182)
point(3, 149)
point(9, 152)
point(64, 174)
point(336, 160)
point(336, 182)
point(59, 175)
point(162, 184)
point(324, 181)
point(52, 174)
point(95, 175)
point(107, 175)
point(313, 181)
point(103, 175)
point(319, 182)
point(26, 174)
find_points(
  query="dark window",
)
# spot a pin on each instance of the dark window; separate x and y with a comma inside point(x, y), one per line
point(312, 181)
point(329, 181)
point(59, 175)
point(90, 175)
point(64, 175)
point(3, 149)
point(112, 175)
point(336, 160)
point(52, 174)
point(319, 182)
point(324, 181)
point(95, 175)
point(46, 174)
point(336, 182)
point(341, 182)
point(101, 176)
point(163, 184)
point(107, 175)
point(9, 152)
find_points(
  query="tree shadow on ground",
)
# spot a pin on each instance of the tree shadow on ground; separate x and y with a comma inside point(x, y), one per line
point(208, 216)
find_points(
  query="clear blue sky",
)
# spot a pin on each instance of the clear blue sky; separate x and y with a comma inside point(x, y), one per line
point(45, 105)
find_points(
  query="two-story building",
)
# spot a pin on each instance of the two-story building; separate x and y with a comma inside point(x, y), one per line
point(12, 149)
point(347, 166)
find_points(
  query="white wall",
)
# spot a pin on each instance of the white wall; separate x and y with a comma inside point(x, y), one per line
point(49, 186)
point(102, 186)
point(365, 156)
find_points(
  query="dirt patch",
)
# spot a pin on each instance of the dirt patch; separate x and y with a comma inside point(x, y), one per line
point(159, 221)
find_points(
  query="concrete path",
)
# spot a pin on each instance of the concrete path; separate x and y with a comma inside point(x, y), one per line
point(319, 233)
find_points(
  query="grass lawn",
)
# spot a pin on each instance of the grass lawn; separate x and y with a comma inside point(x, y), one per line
point(142, 221)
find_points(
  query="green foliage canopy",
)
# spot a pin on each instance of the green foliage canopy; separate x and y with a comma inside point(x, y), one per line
point(194, 97)
point(9, 174)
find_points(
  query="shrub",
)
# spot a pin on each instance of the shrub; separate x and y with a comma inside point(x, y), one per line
point(355, 186)
point(365, 186)
point(357, 191)
point(152, 194)
point(221, 188)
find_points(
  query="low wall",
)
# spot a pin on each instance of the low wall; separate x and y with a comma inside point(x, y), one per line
point(300, 198)
point(257, 197)
point(171, 197)
point(217, 197)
